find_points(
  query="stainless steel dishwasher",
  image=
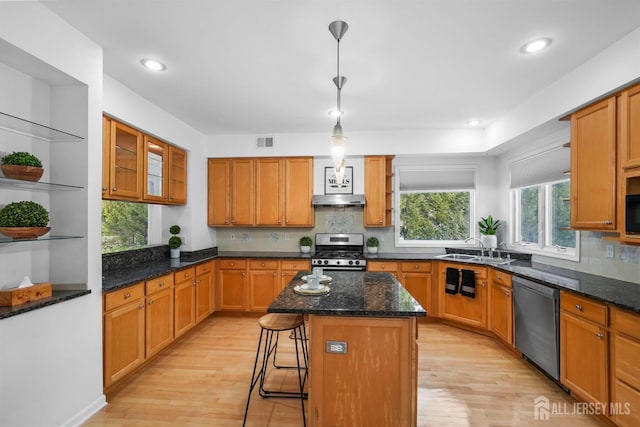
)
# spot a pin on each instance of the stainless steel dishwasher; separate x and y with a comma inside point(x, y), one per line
point(537, 323)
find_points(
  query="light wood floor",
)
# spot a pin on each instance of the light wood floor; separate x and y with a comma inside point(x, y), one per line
point(202, 380)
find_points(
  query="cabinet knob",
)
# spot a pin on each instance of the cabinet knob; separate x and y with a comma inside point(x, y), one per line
point(608, 222)
point(380, 222)
point(507, 294)
point(274, 274)
point(114, 189)
point(104, 188)
point(186, 274)
point(161, 284)
point(150, 302)
point(578, 307)
point(127, 295)
point(141, 306)
point(242, 274)
point(262, 264)
point(417, 266)
point(232, 264)
point(483, 284)
point(599, 335)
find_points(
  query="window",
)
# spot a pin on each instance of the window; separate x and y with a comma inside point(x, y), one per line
point(542, 218)
point(436, 205)
point(128, 225)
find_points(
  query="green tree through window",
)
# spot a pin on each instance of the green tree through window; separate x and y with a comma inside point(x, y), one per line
point(435, 215)
point(124, 226)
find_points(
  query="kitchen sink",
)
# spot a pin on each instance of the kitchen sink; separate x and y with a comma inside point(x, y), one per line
point(476, 258)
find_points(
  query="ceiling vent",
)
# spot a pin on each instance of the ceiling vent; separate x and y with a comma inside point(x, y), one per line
point(264, 142)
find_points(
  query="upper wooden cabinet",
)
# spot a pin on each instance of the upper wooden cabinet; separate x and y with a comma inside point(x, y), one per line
point(125, 162)
point(593, 166)
point(138, 167)
point(378, 191)
point(630, 128)
point(273, 192)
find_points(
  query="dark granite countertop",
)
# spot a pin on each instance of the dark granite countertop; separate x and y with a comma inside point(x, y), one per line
point(56, 297)
point(353, 293)
point(262, 254)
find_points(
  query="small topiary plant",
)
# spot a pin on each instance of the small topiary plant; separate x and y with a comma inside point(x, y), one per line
point(175, 229)
point(306, 241)
point(174, 241)
point(21, 158)
point(373, 242)
point(24, 214)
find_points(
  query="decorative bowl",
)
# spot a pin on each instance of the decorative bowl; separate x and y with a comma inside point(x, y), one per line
point(24, 233)
point(25, 173)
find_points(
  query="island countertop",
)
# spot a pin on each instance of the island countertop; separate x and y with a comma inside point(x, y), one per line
point(353, 293)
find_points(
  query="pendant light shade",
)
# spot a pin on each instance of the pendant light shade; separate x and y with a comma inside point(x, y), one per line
point(338, 142)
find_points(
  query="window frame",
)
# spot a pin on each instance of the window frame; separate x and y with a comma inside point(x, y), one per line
point(545, 233)
point(399, 242)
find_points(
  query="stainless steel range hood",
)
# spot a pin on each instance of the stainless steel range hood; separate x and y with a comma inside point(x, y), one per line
point(338, 200)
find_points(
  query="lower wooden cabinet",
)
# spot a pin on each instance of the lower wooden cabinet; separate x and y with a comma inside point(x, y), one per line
point(158, 314)
point(263, 284)
point(416, 277)
point(462, 309)
point(204, 290)
point(124, 333)
point(232, 284)
point(625, 369)
point(384, 267)
point(501, 306)
point(584, 348)
point(289, 268)
point(184, 294)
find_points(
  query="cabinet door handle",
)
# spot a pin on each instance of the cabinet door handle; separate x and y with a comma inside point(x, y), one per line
point(578, 307)
point(127, 295)
point(599, 335)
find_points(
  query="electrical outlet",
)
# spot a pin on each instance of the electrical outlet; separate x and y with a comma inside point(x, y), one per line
point(609, 253)
point(286, 236)
point(232, 236)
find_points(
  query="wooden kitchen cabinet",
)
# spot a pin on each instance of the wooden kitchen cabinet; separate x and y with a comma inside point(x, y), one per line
point(124, 332)
point(462, 309)
point(106, 155)
point(385, 267)
point(501, 306)
point(204, 290)
point(625, 369)
point(177, 180)
point(630, 127)
point(584, 347)
point(156, 167)
point(184, 294)
point(231, 192)
point(416, 277)
point(378, 191)
point(125, 154)
point(263, 284)
point(289, 268)
point(231, 284)
point(593, 166)
point(158, 314)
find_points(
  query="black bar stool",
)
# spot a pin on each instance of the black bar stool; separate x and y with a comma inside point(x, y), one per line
point(272, 324)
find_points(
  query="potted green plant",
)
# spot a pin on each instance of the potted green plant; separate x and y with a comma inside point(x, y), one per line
point(174, 241)
point(372, 244)
point(488, 228)
point(305, 244)
point(24, 220)
point(21, 165)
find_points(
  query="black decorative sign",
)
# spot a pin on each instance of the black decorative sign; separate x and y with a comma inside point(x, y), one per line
point(331, 182)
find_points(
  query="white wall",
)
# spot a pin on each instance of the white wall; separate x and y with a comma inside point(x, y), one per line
point(124, 104)
point(51, 359)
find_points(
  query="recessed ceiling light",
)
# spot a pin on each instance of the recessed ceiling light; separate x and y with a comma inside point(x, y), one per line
point(535, 45)
point(335, 113)
point(153, 65)
point(474, 122)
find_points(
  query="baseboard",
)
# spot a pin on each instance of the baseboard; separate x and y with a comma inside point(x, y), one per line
point(82, 416)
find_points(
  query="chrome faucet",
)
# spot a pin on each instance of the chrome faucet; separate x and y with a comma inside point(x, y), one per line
point(479, 242)
point(505, 247)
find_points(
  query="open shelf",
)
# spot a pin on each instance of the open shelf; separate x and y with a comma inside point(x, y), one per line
point(37, 185)
point(4, 239)
point(25, 127)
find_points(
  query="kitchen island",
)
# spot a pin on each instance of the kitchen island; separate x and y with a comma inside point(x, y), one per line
point(363, 351)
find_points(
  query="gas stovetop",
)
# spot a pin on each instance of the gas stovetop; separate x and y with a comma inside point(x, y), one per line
point(339, 252)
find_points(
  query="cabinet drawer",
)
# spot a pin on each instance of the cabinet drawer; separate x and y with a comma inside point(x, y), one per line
point(407, 267)
point(481, 272)
point(123, 296)
point(501, 278)
point(629, 398)
point(584, 307)
point(159, 284)
point(184, 275)
point(297, 265)
point(382, 266)
point(626, 323)
point(205, 267)
point(626, 360)
point(258, 264)
point(232, 264)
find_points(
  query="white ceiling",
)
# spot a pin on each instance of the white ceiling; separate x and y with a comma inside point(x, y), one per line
point(265, 66)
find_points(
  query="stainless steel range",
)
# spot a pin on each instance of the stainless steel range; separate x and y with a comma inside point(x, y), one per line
point(339, 252)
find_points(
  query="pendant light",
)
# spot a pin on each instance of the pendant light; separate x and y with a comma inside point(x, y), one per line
point(338, 141)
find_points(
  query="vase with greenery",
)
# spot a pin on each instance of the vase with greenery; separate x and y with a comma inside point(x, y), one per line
point(22, 165)
point(372, 244)
point(488, 228)
point(174, 241)
point(24, 220)
point(305, 244)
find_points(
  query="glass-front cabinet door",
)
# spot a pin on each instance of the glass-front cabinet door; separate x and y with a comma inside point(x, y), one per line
point(177, 176)
point(126, 162)
point(156, 155)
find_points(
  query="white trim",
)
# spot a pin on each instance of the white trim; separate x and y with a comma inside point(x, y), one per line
point(81, 417)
